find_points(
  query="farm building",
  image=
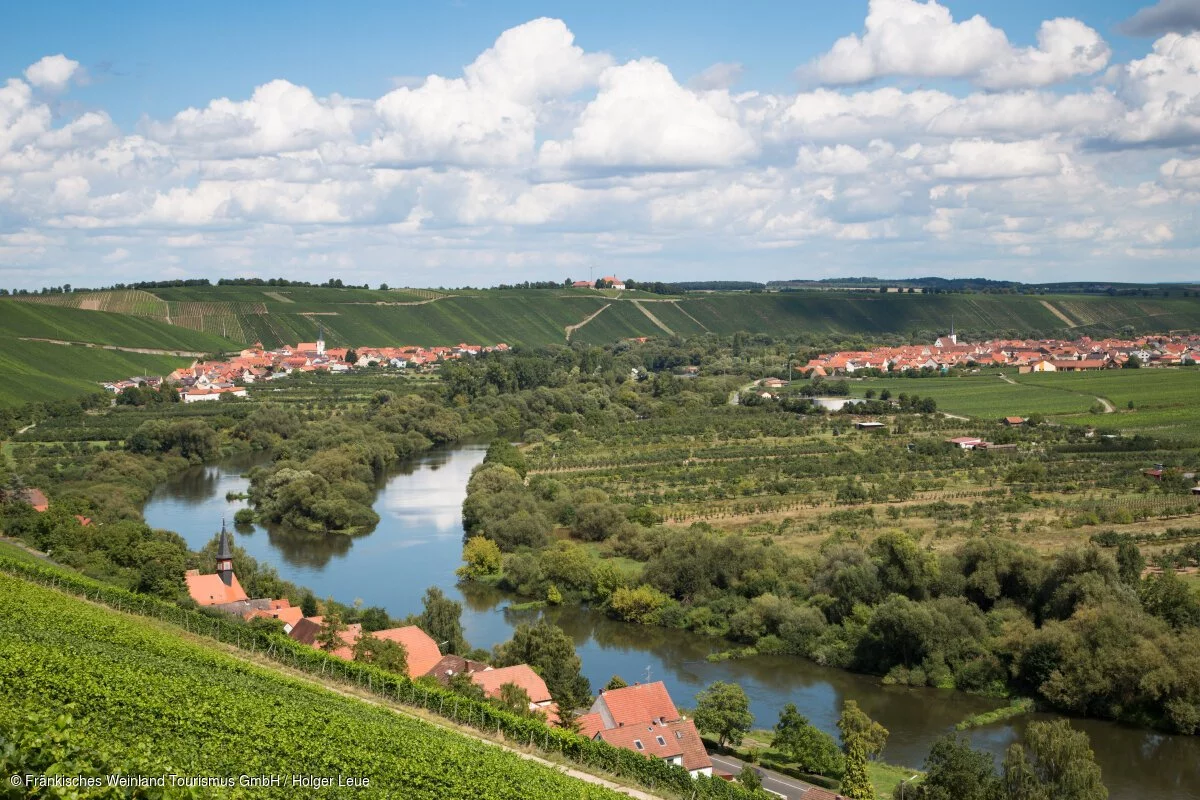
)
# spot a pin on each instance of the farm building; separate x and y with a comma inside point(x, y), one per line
point(1014, 421)
point(869, 425)
point(965, 442)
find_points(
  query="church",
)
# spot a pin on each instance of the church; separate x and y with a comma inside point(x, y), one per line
point(222, 590)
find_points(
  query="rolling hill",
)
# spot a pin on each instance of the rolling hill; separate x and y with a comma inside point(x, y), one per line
point(205, 319)
point(53, 351)
point(542, 316)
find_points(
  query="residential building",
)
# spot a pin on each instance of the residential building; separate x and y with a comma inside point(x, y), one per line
point(644, 719)
point(522, 675)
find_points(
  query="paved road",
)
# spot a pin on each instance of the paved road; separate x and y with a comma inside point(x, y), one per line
point(782, 785)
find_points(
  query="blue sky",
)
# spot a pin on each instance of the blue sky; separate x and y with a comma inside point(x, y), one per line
point(750, 139)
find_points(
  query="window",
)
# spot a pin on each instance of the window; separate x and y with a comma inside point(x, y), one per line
point(679, 735)
point(661, 741)
point(638, 744)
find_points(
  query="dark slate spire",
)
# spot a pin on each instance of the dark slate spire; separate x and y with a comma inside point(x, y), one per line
point(224, 547)
point(225, 556)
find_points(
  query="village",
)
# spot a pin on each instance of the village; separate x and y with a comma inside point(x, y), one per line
point(210, 380)
point(1026, 355)
point(641, 718)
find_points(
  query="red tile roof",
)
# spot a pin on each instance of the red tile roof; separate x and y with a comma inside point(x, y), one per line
point(522, 675)
point(423, 653)
point(590, 724)
point(210, 590)
point(644, 702)
point(36, 498)
point(678, 738)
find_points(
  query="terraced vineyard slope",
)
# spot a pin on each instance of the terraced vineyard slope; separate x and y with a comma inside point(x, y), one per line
point(130, 683)
point(279, 315)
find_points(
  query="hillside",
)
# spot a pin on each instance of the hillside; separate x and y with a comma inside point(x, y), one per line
point(543, 316)
point(137, 686)
point(36, 365)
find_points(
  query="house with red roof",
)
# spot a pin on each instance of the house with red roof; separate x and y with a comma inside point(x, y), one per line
point(644, 719)
point(423, 653)
point(221, 588)
point(521, 675)
point(36, 498)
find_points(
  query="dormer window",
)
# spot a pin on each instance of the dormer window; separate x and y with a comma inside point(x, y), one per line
point(661, 741)
point(638, 744)
point(679, 735)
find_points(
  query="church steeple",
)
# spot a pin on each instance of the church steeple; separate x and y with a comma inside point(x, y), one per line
point(225, 556)
point(320, 339)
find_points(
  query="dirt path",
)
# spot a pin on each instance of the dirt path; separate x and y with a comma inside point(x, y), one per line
point(948, 415)
point(401, 302)
point(570, 329)
point(28, 427)
point(1108, 407)
point(150, 351)
point(683, 311)
point(1058, 313)
point(652, 318)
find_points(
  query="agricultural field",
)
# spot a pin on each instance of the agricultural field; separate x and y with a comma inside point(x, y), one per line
point(33, 320)
point(1165, 401)
point(40, 371)
point(132, 684)
point(800, 478)
point(277, 315)
point(984, 396)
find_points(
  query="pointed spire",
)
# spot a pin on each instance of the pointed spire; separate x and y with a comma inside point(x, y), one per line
point(224, 546)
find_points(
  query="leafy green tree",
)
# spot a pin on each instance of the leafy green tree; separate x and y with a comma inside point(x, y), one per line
point(441, 618)
point(461, 683)
point(1168, 596)
point(855, 725)
point(308, 605)
point(748, 778)
point(383, 653)
point(856, 783)
point(502, 451)
point(550, 652)
point(553, 595)
point(637, 605)
point(955, 771)
point(515, 699)
point(1056, 763)
point(723, 709)
point(615, 682)
point(813, 750)
point(1130, 563)
point(482, 557)
point(330, 636)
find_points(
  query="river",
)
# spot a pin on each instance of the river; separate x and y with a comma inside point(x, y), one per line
point(418, 543)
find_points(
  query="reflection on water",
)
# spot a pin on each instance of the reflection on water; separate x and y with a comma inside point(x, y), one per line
point(418, 544)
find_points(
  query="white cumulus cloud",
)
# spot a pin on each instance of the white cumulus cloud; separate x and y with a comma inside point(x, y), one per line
point(52, 73)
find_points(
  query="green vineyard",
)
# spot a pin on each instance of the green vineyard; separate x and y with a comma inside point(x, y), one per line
point(132, 685)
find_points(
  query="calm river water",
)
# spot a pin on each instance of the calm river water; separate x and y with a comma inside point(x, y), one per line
point(418, 544)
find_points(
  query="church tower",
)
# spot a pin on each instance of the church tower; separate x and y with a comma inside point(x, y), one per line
point(225, 556)
point(320, 340)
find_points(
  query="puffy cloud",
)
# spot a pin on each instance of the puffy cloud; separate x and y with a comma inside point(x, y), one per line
point(540, 156)
point(52, 73)
point(980, 159)
point(1162, 91)
point(489, 116)
point(921, 39)
point(1165, 16)
point(278, 117)
point(643, 118)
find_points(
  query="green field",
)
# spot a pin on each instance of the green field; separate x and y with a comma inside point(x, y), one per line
point(986, 396)
point(132, 683)
point(1164, 400)
point(35, 371)
point(35, 320)
point(40, 371)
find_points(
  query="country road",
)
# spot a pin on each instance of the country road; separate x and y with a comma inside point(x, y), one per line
point(1108, 407)
point(772, 781)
